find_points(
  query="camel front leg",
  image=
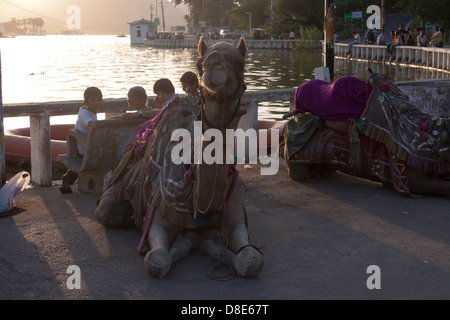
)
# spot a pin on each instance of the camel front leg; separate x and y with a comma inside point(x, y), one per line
point(183, 244)
point(249, 260)
point(157, 261)
point(212, 245)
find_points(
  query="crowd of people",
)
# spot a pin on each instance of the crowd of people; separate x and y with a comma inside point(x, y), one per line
point(138, 106)
point(400, 37)
point(164, 35)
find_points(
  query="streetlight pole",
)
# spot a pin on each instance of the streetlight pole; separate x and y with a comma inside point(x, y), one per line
point(250, 23)
point(329, 36)
point(164, 21)
point(271, 19)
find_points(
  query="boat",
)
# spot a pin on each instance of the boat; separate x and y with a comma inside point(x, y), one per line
point(18, 144)
point(18, 141)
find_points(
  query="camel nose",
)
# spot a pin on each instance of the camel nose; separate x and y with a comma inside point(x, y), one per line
point(215, 75)
point(214, 79)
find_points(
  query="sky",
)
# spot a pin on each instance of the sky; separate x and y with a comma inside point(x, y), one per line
point(93, 17)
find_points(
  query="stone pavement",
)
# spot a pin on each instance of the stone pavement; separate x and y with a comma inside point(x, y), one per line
point(319, 239)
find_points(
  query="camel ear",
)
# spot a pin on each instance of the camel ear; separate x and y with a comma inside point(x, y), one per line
point(202, 47)
point(242, 46)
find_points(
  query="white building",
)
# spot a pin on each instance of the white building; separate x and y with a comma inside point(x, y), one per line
point(139, 30)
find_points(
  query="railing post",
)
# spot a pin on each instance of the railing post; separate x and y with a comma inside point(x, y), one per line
point(41, 160)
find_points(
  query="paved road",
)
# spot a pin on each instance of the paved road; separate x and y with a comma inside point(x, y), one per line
point(319, 238)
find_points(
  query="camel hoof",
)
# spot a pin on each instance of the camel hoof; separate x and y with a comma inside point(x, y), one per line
point(249, 262)
point(157, 262)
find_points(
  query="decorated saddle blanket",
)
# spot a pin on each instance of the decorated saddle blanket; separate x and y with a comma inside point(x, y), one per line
point(330, 150)
point(146, 174)
point(419, 139)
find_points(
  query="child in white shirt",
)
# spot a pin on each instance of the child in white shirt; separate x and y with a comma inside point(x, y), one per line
point(93, 100)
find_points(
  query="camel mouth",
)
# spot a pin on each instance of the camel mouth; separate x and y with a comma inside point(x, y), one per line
point(216, 95)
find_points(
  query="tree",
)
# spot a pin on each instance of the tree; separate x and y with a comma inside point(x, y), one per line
point(22, 26)
point(288, 14)
point(259, 9)
point(435, 11)
point(211, 11)
point(306, 12)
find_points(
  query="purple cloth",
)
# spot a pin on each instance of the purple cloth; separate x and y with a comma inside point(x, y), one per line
point(343, 99)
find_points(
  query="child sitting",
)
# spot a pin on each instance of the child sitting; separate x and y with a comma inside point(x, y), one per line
point(93, 100)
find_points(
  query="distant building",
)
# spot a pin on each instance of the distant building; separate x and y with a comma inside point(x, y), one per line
point(140, 30)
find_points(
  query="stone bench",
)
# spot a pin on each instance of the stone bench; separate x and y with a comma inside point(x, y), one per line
point(104, 144)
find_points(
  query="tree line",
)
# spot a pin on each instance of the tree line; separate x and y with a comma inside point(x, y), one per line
point(287, 14)
point(24, 26)
point(290, 14)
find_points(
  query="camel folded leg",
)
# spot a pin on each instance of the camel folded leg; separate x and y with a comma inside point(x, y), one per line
point(112, 213)
point(420, 182)
point(213, 245)
point(157, 261)
point(183, 244)
point(249, 260)
point(164, 252)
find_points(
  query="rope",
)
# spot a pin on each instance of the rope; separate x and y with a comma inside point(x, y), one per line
point(222, 260)
point(204, 120)
point(222, 269)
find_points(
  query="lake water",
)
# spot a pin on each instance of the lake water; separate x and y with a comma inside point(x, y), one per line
point(59, 68)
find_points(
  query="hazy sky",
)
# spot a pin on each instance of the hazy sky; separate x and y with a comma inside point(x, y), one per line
point(96, 16)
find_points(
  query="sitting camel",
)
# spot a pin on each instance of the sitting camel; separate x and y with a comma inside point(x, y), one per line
point(181, 206)
point(370, 130)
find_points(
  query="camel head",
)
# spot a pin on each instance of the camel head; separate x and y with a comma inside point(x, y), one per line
point(221, 68)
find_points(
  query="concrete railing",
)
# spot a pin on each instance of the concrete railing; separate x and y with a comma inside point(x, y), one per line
point(427, 57)
point(251, 44)
point(40, 113)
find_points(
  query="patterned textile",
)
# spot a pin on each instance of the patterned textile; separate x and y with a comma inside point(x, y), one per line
point(341, 100)
point(329, 150)
point(161, 183)
point(421, 140)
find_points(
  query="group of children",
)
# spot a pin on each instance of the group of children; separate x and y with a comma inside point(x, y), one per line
point(137, 100)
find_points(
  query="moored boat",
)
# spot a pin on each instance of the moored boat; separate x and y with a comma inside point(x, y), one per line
point(18, 144)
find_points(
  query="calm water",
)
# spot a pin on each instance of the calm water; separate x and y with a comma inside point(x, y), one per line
point(58, 68)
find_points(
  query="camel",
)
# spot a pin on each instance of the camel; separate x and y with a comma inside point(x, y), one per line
point(195, 205)
point(388, 140)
